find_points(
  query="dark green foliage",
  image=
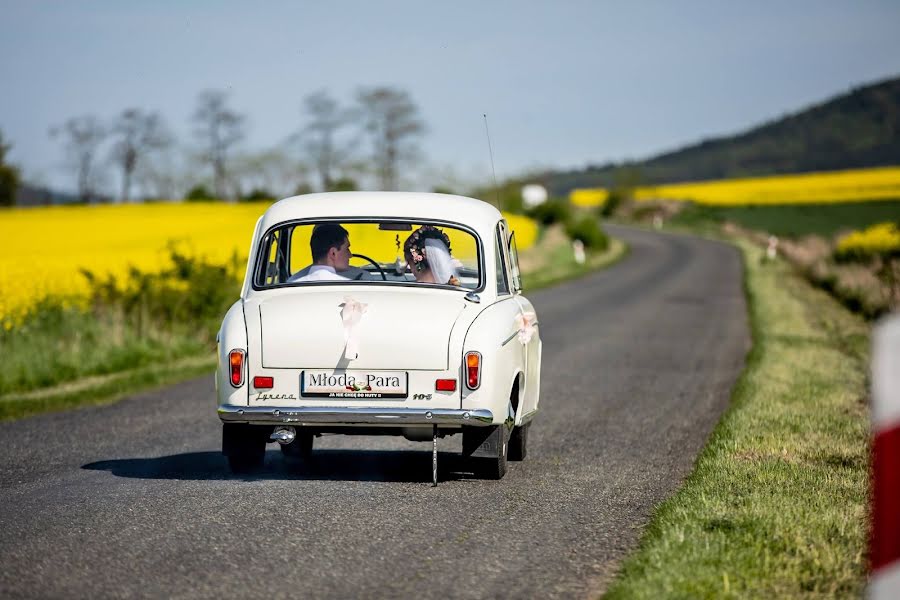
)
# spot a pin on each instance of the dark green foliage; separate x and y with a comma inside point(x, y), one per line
point(796, 220)
point(855, 130)
point(344, 184)
point(199, 193)
point(615, 199)
point(258, 195)
point(303, 188)
point(587, 229)
point(9, 177)
point(552, 211)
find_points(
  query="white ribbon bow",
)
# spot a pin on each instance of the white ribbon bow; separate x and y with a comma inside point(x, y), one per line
point(525, 323)
point(351, 314)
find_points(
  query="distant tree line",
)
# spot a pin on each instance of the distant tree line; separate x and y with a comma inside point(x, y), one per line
point(854, 130)
point(335, 145)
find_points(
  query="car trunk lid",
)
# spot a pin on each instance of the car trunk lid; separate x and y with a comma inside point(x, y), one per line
point(405, 329)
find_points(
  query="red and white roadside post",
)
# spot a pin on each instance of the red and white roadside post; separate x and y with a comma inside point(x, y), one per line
point(884, 579)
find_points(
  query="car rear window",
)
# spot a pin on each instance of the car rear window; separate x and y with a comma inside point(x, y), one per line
point(386, 252)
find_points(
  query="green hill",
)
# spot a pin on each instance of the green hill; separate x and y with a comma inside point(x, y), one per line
point(857, 129)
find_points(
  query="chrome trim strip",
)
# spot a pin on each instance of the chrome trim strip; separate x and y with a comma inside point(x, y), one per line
point(336, 415)
point(510, 338)
point(515, 333)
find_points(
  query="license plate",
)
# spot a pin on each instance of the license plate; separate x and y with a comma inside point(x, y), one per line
point(353, 384)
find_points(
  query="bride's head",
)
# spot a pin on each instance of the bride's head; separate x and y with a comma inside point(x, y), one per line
point(427, 252)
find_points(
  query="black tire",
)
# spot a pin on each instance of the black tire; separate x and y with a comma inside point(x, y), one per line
point(245, 446)
point(493, 467)
point(518, 443)
point(301, 447)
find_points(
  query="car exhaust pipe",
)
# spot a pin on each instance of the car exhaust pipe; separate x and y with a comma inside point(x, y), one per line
point(283, 435)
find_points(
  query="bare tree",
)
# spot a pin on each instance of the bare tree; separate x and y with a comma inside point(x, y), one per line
point(218, 128)
point(138, 134)
point(82, 137)
point(273, 170)
point(392, 119)
point(320, 136)
point(9, 176)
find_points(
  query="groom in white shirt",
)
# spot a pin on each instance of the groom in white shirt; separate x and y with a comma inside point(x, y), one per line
point(330, 245)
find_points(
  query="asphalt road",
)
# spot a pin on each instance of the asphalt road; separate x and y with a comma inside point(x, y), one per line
point(134, 499)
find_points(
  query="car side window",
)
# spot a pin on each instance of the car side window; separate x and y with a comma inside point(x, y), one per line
point(514, 263)
point(275, 258)
point(502, 285)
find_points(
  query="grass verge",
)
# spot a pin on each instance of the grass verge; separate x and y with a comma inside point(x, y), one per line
point(776, 504)
point(103, 389)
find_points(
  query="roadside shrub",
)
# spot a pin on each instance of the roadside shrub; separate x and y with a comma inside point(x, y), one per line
point(614, 199)
point(190, 296)
point(551, 212)
point(880, 240)
point(587, 229)
point(258, 195)
point(199, 193)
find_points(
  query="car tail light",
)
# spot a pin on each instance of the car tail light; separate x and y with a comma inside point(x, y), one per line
point(445, 385)
point(473, 370)
point(263, 383)
point(236, 360)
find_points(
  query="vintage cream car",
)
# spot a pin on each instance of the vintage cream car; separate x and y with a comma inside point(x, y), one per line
point(425, 334)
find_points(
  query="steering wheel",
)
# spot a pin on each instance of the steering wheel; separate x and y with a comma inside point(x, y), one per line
point(375, 264)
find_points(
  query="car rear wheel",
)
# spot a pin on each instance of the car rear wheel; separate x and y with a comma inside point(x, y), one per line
point(486, 449)
point(245, 446)
point(491, 468)
point(301, 447)
point(518, 442)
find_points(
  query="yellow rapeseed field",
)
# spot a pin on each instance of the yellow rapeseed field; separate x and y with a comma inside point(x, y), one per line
point(855, 185)
point(46, 248)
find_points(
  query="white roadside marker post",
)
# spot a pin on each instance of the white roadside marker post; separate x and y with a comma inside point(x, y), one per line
point(578, 251)
point(884, 550)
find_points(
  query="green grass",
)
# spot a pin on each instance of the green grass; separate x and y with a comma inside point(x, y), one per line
point(103, 389)
point(56, 344)
point(795, 220)
point(776, 504)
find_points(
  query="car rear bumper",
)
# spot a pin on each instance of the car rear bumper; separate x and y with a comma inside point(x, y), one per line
point(328, 415)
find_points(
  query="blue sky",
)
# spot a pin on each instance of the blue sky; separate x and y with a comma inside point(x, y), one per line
point(563, 83)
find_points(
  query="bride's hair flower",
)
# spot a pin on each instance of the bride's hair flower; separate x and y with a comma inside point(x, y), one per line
point(415, 244)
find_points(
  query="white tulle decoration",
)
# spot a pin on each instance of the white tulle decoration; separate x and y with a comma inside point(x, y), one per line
point(352, 312)
point(525, 322)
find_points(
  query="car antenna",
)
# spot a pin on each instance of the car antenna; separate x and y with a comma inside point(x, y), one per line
point(491, 152)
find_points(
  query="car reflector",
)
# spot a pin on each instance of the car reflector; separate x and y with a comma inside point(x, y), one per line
point(236, 359)
point(445, 385)
point(263, 382)
point(473, 370)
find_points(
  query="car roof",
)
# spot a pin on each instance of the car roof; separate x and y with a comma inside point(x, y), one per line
point(412, 205)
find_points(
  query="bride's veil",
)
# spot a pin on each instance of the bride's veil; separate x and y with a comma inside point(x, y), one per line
point(439, 260)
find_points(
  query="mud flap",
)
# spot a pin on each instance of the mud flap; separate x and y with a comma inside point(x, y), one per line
point(484, 442)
